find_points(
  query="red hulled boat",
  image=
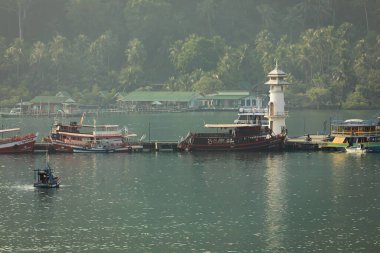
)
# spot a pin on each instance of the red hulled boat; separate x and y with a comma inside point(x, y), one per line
point(10, 142)
point(234, 137)
point(78, 138)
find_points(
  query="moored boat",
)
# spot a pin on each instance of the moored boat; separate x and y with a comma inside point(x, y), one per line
point(235, 137)
point(78, 138)
point(250, 131)
point(359, 149)
point(353, 133)
point(11, 142)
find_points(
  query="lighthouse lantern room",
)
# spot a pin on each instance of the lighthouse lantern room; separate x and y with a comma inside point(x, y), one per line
point(276, 112)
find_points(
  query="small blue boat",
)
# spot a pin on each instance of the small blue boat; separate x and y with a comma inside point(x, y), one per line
point(44, 178)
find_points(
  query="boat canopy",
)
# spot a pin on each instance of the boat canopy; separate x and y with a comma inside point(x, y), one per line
point(353, 122)
point(227, 125)
point(9, 130)
point(100, 134)
point(251, 114)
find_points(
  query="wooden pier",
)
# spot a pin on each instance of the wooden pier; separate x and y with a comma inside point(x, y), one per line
point(303, 143)
point(160, 146)
point(291, 144)
point(150, 146)
point(43, 147)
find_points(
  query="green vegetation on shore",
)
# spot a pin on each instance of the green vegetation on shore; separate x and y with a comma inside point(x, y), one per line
point(329, 48)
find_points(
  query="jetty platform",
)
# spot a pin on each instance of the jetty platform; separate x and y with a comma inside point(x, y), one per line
point(148, 146)
point(43, 147)
point(302, 142)
point(291, 144)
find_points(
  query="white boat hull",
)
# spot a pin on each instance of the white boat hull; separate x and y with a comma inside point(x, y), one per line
point(355, 150)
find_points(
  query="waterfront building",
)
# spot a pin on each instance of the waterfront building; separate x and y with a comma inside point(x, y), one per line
point(159, 100)
point(226, 100)
point(52, 105)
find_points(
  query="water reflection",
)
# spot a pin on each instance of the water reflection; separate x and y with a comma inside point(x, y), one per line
point(341, 162)
point(275, 204)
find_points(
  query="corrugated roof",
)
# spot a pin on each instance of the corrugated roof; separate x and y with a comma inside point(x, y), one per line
point(227, 95)
point(227, 125)
point(163, 96)
point(62, 94)
point(233, 93)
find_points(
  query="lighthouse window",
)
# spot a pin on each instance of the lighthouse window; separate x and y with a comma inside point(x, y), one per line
point(273, 78)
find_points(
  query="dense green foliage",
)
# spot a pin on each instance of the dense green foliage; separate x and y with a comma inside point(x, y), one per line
point(329, 48)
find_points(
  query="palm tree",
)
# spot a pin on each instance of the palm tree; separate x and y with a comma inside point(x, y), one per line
point(37, 55)
point(57, 53)
point(14, 55)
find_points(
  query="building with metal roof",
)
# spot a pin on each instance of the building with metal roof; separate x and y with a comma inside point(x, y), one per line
point(52, 105)
point(157, 100)
point(227, 100)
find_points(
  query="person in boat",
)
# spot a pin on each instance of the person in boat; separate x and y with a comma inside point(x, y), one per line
point(43, 176)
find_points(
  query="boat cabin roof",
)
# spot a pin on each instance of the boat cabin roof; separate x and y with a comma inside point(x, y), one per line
point(97, 134)
point(252, 114)
point(227, 125)
point(354, 122)
point(101, 126)
point(9, 130)
point(78, 135)
point(104, 126)
point(75, 125)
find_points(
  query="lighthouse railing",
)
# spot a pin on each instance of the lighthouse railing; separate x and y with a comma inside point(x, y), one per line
point(277, 114)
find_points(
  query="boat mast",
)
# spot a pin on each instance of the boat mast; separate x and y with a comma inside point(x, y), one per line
point(94, 132)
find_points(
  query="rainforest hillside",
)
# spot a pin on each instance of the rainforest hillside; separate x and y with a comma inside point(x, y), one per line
point(329, 48)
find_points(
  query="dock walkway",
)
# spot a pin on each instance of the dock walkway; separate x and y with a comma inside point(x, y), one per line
point(301, 142)
point(291, 143)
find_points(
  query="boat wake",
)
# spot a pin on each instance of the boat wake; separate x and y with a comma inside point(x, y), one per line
point(23, 187)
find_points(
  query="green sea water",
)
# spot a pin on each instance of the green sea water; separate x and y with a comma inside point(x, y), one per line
point(192, 202)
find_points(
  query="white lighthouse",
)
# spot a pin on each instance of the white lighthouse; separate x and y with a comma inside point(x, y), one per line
point(276, 113)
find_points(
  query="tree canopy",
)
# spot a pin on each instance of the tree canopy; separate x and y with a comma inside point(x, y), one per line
point(329, 48)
